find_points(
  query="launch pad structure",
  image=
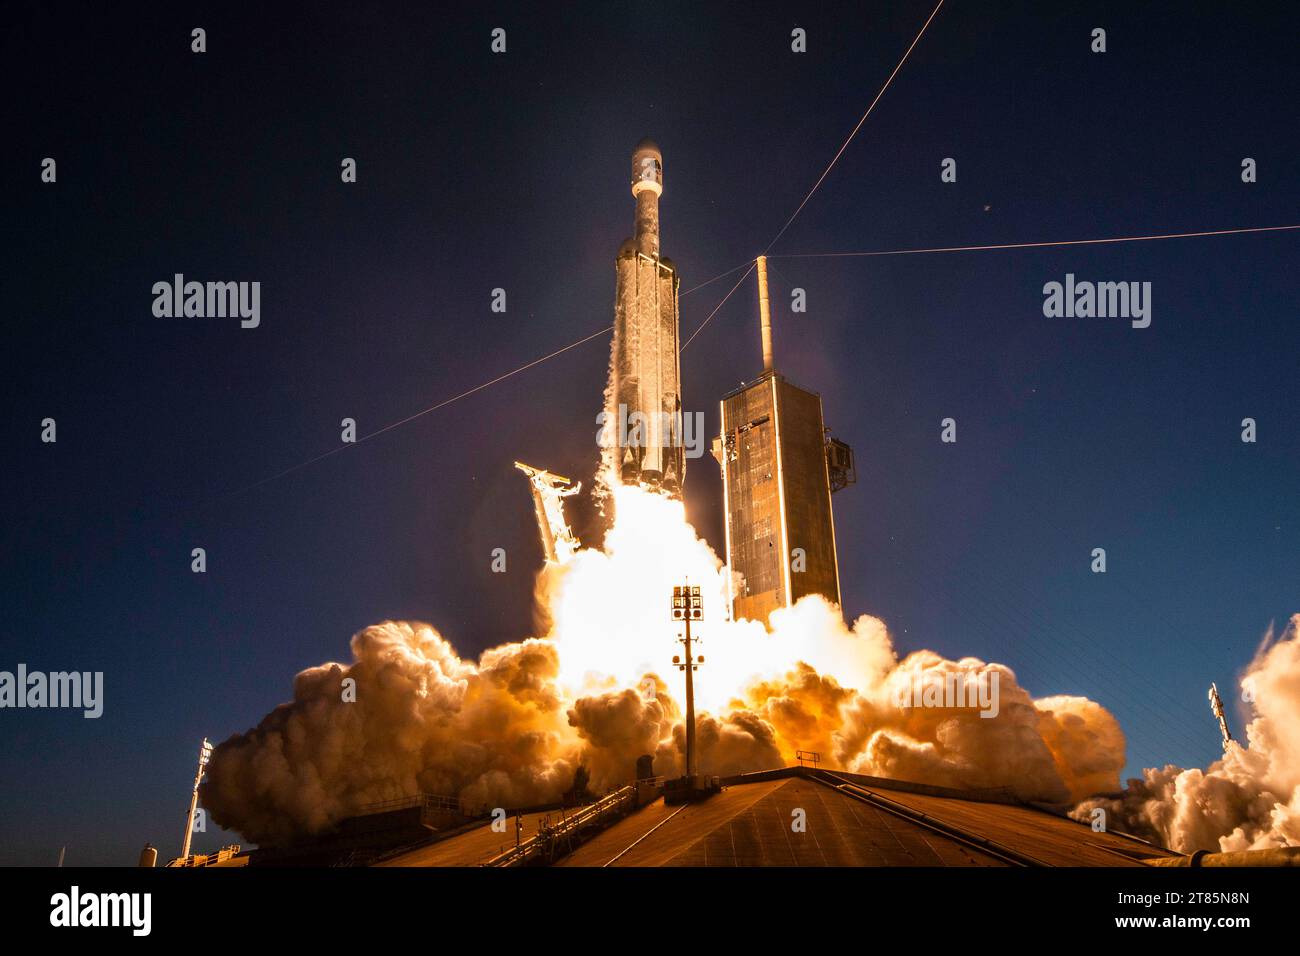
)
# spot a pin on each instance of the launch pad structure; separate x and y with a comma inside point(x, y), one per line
point(779, 466)
point(549, 491)
point(779, 469)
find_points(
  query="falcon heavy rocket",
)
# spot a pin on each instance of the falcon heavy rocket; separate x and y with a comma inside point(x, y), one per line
point(645, 407)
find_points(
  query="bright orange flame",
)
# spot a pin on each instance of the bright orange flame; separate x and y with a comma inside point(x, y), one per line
point(612, 624)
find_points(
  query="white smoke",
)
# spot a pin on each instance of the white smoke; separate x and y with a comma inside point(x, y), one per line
point(598, 691)
point(1247, 800)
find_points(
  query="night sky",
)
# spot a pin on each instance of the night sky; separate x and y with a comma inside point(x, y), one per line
point(478, 171)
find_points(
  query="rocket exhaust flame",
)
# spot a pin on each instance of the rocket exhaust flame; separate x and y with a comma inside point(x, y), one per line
point(513, 727)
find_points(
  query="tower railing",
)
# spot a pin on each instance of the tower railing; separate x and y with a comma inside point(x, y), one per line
point(550, 836)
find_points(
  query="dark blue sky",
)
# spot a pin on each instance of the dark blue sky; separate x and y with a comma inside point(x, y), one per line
point(479, 171)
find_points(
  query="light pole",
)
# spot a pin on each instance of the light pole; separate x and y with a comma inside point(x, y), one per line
point(688, 607)
point(205, 754)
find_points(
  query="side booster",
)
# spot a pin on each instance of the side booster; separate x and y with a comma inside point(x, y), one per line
point(646, 411)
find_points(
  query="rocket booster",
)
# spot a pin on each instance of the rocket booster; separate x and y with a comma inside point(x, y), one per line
point(646, 410)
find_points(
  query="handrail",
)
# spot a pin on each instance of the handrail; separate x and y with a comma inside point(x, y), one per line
point(427, 801)
point(548, 835)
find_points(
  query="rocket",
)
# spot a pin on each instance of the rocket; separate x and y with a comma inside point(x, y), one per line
point(644, 404)
point(1216, 706)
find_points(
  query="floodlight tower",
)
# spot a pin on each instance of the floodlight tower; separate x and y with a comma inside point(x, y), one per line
point(687, 606)
point(205, 754)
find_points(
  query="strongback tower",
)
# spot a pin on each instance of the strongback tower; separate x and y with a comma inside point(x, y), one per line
point(778, 472)
point(645, 406)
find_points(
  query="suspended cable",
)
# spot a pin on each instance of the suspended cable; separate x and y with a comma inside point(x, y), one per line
point(426, 411)
point(487, 384)
point(823, 176)
point(720, 275)
point(544, 358)
point(717, 307)
point(1034, 245)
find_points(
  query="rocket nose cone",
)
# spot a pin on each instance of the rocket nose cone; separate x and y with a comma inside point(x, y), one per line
point(646, 144)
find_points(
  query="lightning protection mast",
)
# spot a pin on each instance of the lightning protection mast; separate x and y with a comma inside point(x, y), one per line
point(205, 754)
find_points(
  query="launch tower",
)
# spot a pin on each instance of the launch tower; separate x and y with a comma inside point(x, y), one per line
point(779, 469)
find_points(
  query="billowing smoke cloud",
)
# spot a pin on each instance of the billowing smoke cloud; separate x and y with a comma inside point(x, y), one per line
point(408, 714)
point(1053, 750)
point(1249, 799)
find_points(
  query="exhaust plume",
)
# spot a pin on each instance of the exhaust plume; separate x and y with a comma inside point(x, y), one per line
point(408, 714)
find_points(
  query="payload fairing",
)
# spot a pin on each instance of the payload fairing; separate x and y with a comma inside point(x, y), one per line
point(645, 408)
